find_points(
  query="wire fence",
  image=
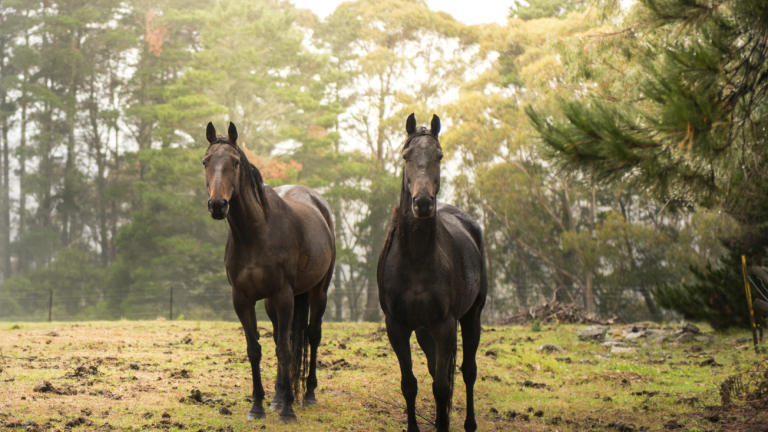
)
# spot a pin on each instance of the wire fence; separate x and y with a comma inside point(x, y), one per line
point(178, 302)
point(174, 303)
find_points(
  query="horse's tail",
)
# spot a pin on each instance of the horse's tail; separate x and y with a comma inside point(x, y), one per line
point(300, 341)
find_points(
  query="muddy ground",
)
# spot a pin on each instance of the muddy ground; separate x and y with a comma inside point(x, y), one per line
point(158, 375)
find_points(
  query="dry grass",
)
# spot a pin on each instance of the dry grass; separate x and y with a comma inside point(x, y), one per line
point(361, 393)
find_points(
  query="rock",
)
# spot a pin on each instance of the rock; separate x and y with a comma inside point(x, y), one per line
point(623, 350)
point(690, 328)
point(635, 335)
point(592, 333)
point(224, 410)
point(685, 337)
point(550, 348)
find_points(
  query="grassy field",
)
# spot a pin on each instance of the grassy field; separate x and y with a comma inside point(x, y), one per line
point(136, 372)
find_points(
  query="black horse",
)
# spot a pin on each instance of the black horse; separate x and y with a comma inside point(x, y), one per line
point(431, 274)
point(280, 248)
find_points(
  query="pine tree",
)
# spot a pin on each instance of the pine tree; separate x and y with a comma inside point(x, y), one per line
point(695, 132)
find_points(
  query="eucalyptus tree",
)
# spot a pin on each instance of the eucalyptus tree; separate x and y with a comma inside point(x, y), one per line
point(391, 58)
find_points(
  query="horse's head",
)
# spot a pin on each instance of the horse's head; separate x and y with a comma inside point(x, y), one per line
point(421, 174)
point(222, 164)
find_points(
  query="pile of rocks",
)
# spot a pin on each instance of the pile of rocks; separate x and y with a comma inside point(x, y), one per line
point(626, 339)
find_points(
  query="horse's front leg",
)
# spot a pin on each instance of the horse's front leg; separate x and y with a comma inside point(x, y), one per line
point(279, 398)
point(318, 298)
point(400, 337)
point(283, 303)
point(445, 366)
point(245, 312)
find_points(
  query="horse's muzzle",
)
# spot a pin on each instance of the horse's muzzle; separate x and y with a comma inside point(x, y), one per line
point(423, 206)
point(218, 208)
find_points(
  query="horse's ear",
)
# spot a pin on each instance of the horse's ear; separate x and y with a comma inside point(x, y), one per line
point(410, 124)
point(232, 133)
point(210, 132)
point(435, 126)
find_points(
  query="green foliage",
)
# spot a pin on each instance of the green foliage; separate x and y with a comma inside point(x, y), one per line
point(717, 297)
point(535, 9)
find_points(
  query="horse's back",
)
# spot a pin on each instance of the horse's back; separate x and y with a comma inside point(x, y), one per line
point(311, 225)
point(467, 237)
point(303, 196)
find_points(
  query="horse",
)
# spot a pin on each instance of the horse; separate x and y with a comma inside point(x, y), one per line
point(280, 248)
point(431, 275)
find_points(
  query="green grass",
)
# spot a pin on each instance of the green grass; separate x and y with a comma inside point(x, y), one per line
point(365, 396)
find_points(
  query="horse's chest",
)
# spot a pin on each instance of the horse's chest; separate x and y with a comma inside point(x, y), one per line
point(418, 294)
point(252, 280)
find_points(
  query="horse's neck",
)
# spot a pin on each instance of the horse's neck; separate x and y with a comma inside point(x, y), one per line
point(247, 222)
point(418, 236)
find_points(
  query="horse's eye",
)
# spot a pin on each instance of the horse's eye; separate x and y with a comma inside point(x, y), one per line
point(237, 163)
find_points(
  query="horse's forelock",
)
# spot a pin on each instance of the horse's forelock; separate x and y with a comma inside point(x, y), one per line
point(419, 132)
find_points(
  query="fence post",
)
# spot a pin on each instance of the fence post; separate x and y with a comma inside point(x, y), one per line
point(50, 305)
point(749, 301)
point(170, 315)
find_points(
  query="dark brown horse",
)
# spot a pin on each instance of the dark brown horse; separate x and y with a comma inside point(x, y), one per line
point(431, 274)
point(280, 248)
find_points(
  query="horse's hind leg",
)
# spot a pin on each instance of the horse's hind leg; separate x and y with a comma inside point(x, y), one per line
point(318, 298)
point(279, 398)
point(470, 335)
point(247, 315)
point(427, 344)
point(400, 339)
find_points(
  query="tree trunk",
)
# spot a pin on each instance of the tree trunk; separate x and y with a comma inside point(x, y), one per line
point(22, 258)
point(5, 241)
point(589, 296)
point(101, 181)
point(69, 193)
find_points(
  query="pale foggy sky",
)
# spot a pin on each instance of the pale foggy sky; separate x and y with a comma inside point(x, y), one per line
point(466, 11)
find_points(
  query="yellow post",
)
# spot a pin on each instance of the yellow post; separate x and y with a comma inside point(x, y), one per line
point(749, 300)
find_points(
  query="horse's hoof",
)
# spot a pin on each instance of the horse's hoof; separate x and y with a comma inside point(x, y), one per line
point(287, 419)
point(309, 402)
point(257, 415)
point(276, 406)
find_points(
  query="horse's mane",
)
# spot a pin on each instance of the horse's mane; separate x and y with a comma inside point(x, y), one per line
point(397, 216)
point(253, 173)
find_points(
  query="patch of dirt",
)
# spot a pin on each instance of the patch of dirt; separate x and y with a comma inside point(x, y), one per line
point(531, 384)
point(335, 365)
point(47, 387)
point(180, 374)
point(83, 371)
